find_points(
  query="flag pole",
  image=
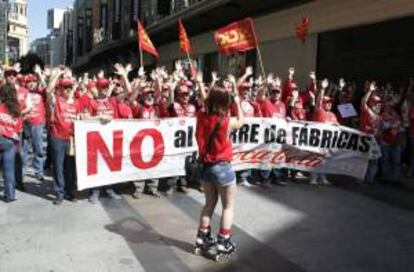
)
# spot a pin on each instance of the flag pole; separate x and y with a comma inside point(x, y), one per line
point(259, 54)
point(141, 56)
point(190, 62)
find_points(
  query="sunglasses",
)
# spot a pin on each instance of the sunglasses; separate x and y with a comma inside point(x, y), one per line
point(184, 94)
point(275, 91)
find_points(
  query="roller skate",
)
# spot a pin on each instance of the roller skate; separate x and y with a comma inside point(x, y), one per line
point(204, 242)
point(225, 248)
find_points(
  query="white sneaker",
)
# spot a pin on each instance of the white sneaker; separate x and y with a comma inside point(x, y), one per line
point(326, 182)
point(314, 182)
point(245, 183)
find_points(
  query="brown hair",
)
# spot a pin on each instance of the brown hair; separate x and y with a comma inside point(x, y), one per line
point(8, 97)
point(218, 102)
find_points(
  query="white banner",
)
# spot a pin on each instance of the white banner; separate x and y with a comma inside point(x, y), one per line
point(128, 150)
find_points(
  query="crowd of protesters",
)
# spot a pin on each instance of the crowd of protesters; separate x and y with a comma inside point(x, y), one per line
point(47, 101)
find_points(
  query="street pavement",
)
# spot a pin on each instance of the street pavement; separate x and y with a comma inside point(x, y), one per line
point(293, 228)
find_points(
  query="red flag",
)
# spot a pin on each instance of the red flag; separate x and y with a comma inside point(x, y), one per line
point(302, 29)
point(185, 45)
point(144, 41)
point(236, 37)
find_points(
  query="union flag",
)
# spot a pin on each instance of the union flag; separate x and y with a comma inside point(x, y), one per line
point(236, 37)
point(185, 45)
point(144, 41)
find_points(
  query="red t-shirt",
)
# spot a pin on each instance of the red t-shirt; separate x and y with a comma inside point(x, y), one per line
point(9, 125)
point(85, 101)
point(145, 112)
point(323, 116)
point(367, 123)
point(37, 115)
point(64, 114)
point(163, 108)
point(123, 110)
point(22, 95)
point(106, 106)
point(390, 129)
point(272, 109)
point(221, 148)
point(179, 110)
point(249, 108)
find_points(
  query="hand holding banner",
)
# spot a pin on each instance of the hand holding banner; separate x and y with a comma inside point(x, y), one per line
point(236, 37)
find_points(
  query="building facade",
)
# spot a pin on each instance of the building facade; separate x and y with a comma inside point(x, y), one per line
point(3, 30)
point(18, 29)
point(41, 47)
point(333, 45)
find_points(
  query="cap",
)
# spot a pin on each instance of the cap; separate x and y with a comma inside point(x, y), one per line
point(10, 72)
point(30, 78)
point(65, 83)
point(102, 83)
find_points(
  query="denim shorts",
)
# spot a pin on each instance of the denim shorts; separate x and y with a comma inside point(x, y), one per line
point(221, 174)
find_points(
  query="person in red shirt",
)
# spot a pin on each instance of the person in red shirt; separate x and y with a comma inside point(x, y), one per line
point(218, 177)
point(410, 96)
point(147, 111)
point(390, 125)
point(34, 125)
point(10, 121)
point(102, 107)
point(250, 109)
point(323, 114)
point(369, 123)
point(272, 107)
point(180, 106)
point(66, 109)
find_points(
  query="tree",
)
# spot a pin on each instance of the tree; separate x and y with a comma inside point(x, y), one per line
point(28, 62)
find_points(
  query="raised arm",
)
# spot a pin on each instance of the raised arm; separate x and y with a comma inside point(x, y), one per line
point(321, 94)
point(239, 120)
point(365, 99)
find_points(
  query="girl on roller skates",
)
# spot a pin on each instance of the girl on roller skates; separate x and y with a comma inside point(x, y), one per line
point(218, 177)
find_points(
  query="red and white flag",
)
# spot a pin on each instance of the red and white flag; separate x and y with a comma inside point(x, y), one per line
point(185, 45)
point(236, 37)
point(144, 41)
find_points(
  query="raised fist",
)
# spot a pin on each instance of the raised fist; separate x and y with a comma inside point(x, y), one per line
point(214, 76)
point(249, 71)
point(291, 71)
point(278, 82)
point(341, 83)
point(312, 75)
point(141, 71)
point(325, 83)
point(372, 86)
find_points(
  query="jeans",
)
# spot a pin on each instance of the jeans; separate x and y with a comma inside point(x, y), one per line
point(8, 153)
point(244, 174)
point(371, 171)
point(317, 176)
point(411, 155)
point(265, 174)
point(36, 135)
point(390, 161)
point(62, 186)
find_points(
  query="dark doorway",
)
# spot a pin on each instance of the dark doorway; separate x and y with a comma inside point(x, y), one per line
point(382, 51)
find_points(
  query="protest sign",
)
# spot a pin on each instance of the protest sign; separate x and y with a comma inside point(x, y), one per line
point(127, 150)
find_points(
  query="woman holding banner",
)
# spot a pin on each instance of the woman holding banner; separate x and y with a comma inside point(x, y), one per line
point(218, 177)
point(323, 114)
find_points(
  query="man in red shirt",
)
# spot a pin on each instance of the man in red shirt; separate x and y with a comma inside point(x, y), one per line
point(272, 107)
point(323, 114)
point(34, 125)
point(390, 125)
point(104, 108)
point(66, 109)
point(369, 123)
point(148, 111)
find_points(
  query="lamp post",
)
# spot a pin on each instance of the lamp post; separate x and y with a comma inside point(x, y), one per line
point(6, 55)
